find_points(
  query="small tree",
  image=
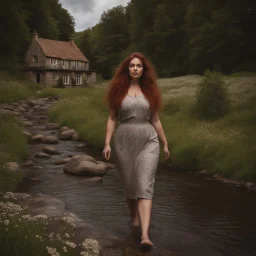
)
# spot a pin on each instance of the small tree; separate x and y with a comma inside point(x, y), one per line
point(212, 100)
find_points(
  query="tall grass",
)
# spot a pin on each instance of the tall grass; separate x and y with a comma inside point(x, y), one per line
point(13, 147)
point(14, 87)
point(225, 146)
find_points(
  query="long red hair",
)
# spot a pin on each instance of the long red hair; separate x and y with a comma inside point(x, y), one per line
point(120, 83)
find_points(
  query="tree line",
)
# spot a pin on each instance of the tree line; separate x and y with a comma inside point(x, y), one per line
point(178, 36)
point(19, 18)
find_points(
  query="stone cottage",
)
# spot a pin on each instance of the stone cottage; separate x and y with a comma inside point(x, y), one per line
point(57, 63)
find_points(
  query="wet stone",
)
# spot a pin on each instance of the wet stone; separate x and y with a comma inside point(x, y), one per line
point(42, 155)
point(50, 150)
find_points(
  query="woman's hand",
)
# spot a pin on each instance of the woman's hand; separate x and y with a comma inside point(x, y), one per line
point(166, 152)
point(106, 152)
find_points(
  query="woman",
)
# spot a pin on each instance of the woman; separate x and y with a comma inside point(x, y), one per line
point(134, 100)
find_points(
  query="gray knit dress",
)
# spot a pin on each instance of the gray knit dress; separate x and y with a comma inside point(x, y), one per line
point(137, 147)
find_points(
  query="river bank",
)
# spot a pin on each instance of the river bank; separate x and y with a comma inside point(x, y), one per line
point(41, 203)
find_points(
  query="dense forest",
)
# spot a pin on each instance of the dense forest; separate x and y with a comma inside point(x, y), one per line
point(19, 18)
point(179, 36)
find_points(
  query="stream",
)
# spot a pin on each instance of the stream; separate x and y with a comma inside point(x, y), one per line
point(192, 215)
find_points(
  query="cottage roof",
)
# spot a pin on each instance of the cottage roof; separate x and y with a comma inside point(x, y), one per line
point(61, 49)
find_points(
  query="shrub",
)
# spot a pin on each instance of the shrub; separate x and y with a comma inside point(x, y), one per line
point(212, 100)
point(60, 83)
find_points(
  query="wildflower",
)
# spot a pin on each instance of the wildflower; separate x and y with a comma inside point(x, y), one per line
point(6, 222)
point(91, 246)
point(65, 249)
point(51, 235)
point(71, 244)
point(39, 217)
point(67, 235)
point(70, 219)
point(26, 217)
point(9, 195)
point(52, 251)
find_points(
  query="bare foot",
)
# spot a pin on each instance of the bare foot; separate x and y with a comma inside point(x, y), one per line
point(146, 242)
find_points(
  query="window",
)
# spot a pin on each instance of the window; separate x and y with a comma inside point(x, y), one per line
point(35, 59)
point(55, 76)
point(64, 63)
point(54, 61)
point(78, 80)
point(65, 79)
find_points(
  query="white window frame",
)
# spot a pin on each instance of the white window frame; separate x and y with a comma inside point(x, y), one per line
point(79, 80)
point(64, 63)
point(54, 61)
point(66, 79)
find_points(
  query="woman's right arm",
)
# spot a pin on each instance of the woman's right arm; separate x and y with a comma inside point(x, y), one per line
point(110, 128)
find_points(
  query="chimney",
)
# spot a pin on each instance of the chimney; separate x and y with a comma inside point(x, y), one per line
point(71, 40)
point(35, 35)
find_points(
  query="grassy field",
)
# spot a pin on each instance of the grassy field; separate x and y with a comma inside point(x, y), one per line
point(13, 145)
point(225, 146)
point(14, 87)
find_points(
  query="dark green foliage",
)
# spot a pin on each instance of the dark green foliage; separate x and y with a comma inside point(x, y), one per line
point(60, 83)
point(19, 18)
point(109, 39)
point(212, 101)
point(179, 37)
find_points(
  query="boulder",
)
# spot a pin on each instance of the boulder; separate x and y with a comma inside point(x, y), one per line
point(31, 103)
point(42, 155)
point(64, 128)
point(27, 123)
point(50, 150)
point(51, 126)
point(108, 165)
point(67, 135)
point(37, 138)
point(62, 161)
point(50, 140)
point(75, 137)
point(84, 165)
point(28, 163)
point(12, 166)
point(250, 186)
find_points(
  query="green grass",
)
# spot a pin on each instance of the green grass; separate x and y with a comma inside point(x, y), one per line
point(225, 146)
point(13, 148)
point(14, 87)
point(22, 235)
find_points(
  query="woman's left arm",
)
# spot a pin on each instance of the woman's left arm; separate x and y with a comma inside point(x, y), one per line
point(155, 121)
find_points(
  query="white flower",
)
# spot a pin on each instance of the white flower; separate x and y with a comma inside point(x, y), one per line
point(9, 195)
point(26, 217)
point(39, 217)
point(71, 244)
point(64, 249)
point(51, 235)
point(91, 246)
point(52, 251)
point(67, 235)
point(6, 222)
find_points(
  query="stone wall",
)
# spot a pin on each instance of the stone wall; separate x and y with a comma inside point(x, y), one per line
point(35, 50)
point(92, 77)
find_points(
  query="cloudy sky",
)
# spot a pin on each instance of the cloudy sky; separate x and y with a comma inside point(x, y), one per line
point(87, 12)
